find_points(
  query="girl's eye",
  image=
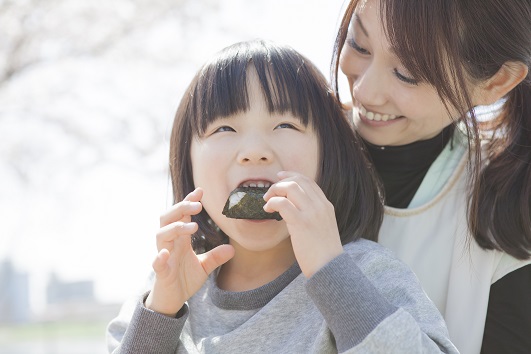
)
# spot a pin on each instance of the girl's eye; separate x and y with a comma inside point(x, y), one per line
point(285, 125)
point(224, 128)
point(357, 48)
point(405, 79)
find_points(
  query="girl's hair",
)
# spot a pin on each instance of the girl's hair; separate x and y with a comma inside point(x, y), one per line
point(443, 42)
point(290, 84)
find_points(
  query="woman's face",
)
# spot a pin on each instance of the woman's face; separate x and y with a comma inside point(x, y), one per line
point(251, 148)
point(390, 107)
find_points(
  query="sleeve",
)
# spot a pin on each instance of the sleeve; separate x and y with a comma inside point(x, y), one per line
point(381, 309)
point(139, 330)
point(508, 323)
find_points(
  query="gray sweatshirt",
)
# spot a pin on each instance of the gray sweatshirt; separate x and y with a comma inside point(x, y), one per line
point(363, 301)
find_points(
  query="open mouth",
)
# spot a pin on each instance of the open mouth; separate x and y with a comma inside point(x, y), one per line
point(254, 184)
point(377, 117)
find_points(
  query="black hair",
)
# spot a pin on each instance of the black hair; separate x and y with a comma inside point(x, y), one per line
point(445, 43)
point(290, 83)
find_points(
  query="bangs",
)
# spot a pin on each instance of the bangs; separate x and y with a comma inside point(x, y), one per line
point(420, 35)
point(290, 84)
point(413, 30)
point(286, 83)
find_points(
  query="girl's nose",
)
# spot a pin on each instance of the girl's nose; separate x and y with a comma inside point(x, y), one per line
point(255, 150)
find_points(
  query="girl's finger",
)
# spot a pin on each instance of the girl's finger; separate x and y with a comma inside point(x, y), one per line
point(216, 257)
point(297, 197)
point(298, 191)
point(303, 180)
point(284, 206)
point(160, 264)
point(183, 210)
point(172, 232)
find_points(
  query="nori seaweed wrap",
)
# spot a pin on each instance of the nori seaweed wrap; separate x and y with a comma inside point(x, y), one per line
point(248, 203)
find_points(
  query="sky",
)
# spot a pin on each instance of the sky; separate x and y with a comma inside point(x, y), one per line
point(84, 136)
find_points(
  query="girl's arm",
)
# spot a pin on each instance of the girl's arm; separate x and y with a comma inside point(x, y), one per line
point(139, 330)
point(372, 302)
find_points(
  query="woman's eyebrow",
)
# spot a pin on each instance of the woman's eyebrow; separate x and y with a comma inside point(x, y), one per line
point(358, 20)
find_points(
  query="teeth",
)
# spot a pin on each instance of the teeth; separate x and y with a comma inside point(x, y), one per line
point(260, 184)
point(376, 116)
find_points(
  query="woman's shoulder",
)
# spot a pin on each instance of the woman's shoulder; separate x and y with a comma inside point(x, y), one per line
point(508, 264)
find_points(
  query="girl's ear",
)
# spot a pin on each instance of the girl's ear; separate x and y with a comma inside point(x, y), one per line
point(509, 75)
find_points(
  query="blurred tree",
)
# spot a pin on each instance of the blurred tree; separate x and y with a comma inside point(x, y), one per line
point(81, 91)
point(32, 31)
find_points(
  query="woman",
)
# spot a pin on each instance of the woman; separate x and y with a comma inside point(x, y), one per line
point(457, 185)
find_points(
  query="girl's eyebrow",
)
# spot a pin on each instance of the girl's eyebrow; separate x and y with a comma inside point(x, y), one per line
point(358, 20)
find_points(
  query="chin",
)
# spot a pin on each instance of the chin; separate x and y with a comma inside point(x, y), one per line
point(255, 245)
point(259, 239)
point(376, 139)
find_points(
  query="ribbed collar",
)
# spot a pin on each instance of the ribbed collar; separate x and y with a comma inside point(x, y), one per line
point(252, 299)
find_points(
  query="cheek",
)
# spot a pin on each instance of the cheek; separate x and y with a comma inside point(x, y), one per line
point(344, 61)
point(209, 165)
point(349, 65)
point(303, 157)
point(352, 65)
point(204, 155)
point(203, 164)
point(429, 107)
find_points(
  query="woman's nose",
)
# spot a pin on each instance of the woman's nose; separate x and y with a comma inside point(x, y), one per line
point(365, 79)
point(369, 87)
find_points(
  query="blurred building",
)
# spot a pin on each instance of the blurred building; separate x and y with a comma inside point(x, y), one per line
point(74, 301)
point(62, 292)
point(14, 294)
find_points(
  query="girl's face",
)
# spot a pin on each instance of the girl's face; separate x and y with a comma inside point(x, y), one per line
point(251, 147)
point(390, 107)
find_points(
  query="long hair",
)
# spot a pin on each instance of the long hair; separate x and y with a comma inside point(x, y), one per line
point(442, 42)
point(290, 84)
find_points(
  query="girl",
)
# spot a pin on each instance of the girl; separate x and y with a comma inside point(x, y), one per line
point(262, 115)
point(415, 69)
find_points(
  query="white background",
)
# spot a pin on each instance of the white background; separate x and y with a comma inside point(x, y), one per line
point(85, 120)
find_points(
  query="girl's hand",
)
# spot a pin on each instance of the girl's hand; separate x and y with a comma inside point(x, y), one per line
point(179, 272)
point(310, 219)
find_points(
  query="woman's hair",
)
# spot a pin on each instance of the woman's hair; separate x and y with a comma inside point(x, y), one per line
point(445, 41)
point(290, 84)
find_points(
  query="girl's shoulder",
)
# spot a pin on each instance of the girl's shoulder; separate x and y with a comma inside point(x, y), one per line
point(366, 252)
point(383, 269)
point(362, 245)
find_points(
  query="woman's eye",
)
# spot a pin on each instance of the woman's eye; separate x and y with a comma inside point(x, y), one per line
point(357, 48)
point(405, 79)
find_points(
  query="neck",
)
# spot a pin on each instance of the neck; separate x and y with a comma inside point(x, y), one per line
point(403, 168)
point(249, 269)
